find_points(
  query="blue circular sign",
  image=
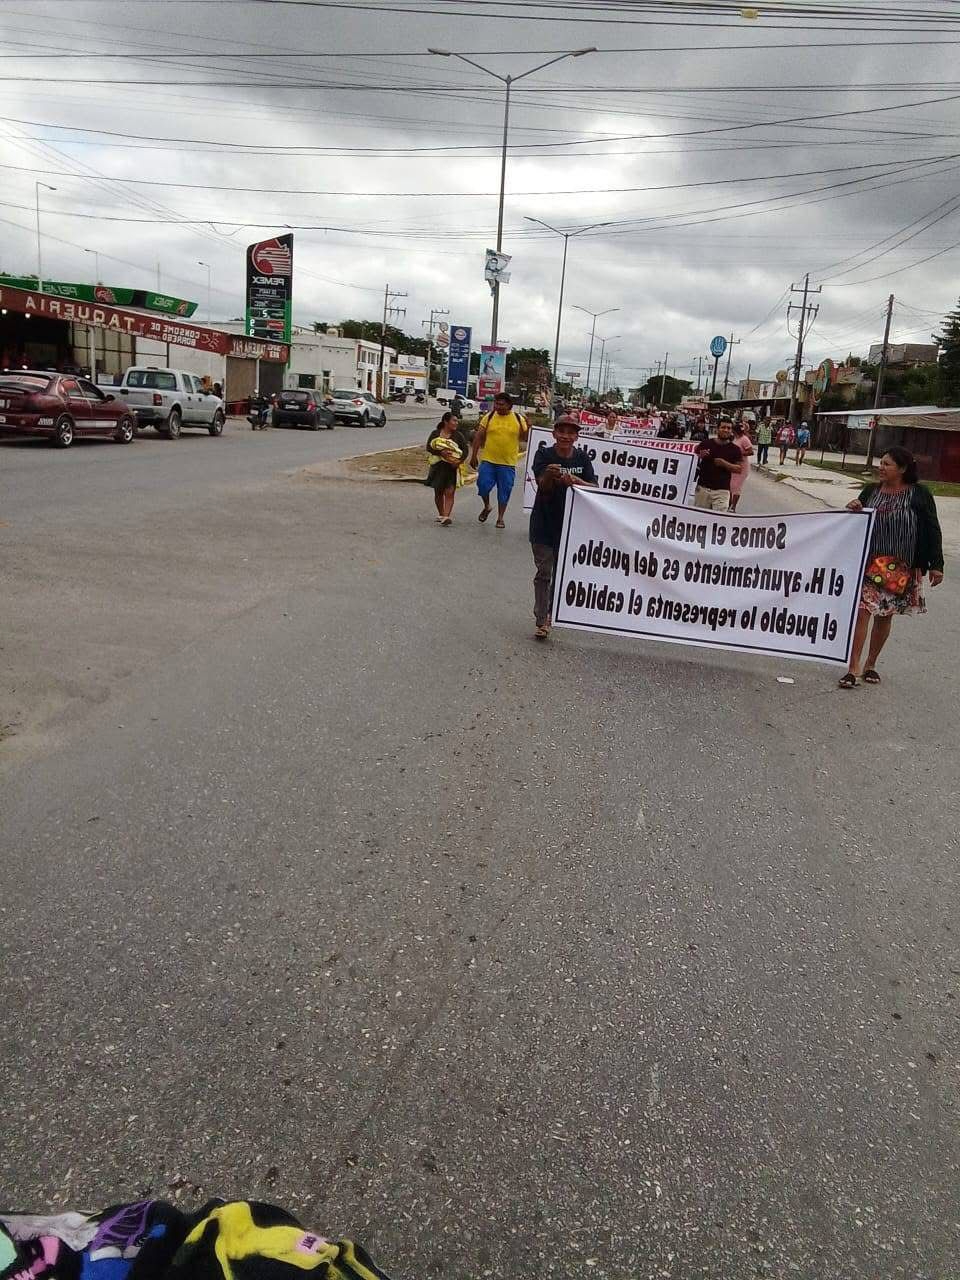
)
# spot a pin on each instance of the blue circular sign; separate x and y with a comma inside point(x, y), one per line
point(718, 345)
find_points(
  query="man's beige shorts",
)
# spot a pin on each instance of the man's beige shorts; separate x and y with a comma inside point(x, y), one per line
point(712, 499)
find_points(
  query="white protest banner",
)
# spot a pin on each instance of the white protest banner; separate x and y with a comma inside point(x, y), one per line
point(785, 585)
point(651, 468)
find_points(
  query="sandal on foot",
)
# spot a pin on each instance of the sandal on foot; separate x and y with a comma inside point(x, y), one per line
point(541, 633)
point(849, 681)
point(482, 517)
point(870, 676)
point(501, 525)
point(446, 522)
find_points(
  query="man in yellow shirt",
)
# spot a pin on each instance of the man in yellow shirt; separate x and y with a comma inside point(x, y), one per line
point(497, 445)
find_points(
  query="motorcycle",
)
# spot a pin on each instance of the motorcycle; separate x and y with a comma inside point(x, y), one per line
point(259, 415)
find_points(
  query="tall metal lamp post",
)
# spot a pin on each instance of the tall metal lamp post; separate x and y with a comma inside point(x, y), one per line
point(508, 82)
point(593, 333)
point(567, 236)
point(46, 186)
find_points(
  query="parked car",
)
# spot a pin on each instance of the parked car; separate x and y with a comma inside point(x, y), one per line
point(302, 409)
point(358, 408)
point(62, 407)
point(169, 400)
point(446, 397)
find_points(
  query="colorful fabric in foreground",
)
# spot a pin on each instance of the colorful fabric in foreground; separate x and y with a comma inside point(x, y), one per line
point(153, 1240)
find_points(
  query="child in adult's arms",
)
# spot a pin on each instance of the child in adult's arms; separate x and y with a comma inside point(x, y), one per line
point(555, 470)
point(906, 544)
point(448, 449)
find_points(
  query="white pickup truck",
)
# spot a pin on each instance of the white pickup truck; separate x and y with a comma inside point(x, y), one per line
point(169, 400)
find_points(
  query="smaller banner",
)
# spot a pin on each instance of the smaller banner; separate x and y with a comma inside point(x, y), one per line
point(495, 267)
point(784, 585)
point(664, 469)
point(458, 366)
point(270, 289)
point(626, 424)
point(493, 371)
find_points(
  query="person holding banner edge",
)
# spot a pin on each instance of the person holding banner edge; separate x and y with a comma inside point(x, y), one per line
point(906, 544)
point(556, 469)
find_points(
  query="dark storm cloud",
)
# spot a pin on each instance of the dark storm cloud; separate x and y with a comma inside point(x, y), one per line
point(674, 285)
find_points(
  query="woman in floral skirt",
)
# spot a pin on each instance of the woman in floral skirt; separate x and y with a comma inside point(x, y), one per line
point(906, 544)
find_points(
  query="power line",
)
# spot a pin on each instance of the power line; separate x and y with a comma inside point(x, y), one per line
point(566, 191)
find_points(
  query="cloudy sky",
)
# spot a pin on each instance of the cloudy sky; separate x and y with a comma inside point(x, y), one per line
point(729, 154)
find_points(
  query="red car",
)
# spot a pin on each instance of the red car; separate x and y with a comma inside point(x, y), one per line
point(62, 407)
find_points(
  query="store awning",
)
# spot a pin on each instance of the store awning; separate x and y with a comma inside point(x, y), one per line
point(921, 416)
point(142, 325)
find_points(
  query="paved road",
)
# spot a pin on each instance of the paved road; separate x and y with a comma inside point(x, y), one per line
point(37, 487)
point(323, 883)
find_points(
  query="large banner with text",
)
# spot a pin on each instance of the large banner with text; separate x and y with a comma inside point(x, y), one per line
point(784, 585)
point(649, 468)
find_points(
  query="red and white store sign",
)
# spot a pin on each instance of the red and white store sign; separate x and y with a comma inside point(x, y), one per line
point(158, 328)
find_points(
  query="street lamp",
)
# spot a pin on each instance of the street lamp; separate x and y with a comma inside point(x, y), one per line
point(207, 265)
point(578, 231)
point(603, 347)
point(96, 265)
point(508, 81)
point(46, 186)
point(596, 316)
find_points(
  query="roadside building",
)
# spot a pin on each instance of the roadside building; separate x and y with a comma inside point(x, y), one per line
point(931, 434)
point(52, 332)
point(408, 373)
point(905, 355)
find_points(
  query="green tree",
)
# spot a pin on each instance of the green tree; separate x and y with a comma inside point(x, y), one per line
point(948, 344)
point(922, 385)
point(673, 389)
point(369, 331)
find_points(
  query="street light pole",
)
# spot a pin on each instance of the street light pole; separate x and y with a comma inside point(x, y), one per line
point(507, 82)
point(593, 333)
point(96, 265)
point(567, 236)
point(207, 265)
point(46, 186)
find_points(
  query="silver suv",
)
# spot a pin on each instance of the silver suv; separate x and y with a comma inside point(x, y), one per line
point(356, 408)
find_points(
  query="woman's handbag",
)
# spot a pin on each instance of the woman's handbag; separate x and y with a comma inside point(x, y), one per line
point(890, 574)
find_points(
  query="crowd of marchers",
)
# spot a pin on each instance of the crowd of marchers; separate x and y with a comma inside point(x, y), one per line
point(906, 543)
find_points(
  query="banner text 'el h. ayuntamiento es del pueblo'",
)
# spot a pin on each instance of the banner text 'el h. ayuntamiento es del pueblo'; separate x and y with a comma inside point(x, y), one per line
point(785, 585)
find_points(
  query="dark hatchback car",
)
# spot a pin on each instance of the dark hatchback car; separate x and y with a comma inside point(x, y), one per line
point(301, 409)
point(62, 407)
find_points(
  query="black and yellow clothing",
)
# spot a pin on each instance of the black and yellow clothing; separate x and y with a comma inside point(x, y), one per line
point(924, 526)
point(442, 474)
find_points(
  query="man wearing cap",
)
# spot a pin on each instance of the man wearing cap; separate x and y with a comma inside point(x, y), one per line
point(720, 459)
point(555, 468)
point(497, 445)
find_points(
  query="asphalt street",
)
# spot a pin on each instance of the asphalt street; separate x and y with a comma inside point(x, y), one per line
point(323, 883)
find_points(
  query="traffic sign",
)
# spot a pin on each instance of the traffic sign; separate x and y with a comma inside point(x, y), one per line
point(718, 346)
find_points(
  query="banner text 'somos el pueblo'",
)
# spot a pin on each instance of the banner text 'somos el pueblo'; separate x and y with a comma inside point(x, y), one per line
point(786, 585)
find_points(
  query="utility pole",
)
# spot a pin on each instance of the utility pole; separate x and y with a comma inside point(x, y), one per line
point(388, 310)
point(434, 314)
point(731, 343)
point(699, 364)
point(663, 380)
point(805, 309)
point(878, 393)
